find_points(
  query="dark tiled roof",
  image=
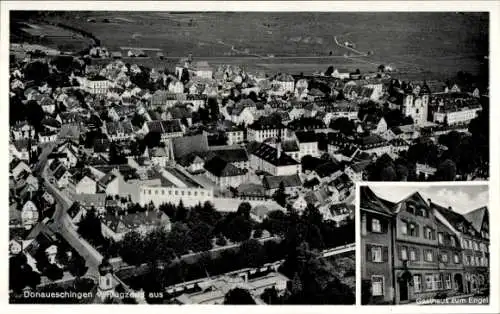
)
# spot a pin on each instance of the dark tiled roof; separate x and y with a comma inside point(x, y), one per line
point(265, 123)
point(221, 168)
point(160, 126)
point(269, 154)
point(458, 221)
point(306, 136)
point(273, 182)
point(290, 146)
point(372, 202)
point(306, 123)
point(327, 169)
point(229, 155)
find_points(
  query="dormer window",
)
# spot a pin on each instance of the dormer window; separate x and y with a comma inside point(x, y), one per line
point(410, 208)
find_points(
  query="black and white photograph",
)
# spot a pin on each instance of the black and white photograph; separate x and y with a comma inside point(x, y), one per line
point(212, 156)
point(425, 244)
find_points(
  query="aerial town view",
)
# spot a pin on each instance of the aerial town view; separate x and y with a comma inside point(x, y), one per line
point(212, 157)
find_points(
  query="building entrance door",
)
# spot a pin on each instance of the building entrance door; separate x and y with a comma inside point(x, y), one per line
point(403, 290)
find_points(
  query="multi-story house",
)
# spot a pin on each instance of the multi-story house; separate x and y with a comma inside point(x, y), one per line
point(308, 144)
point(435, 250)
point(263, 129)
point(376, 244)
point(450, 259)
point(474, 253)
point(97, 85)
point(416, 261)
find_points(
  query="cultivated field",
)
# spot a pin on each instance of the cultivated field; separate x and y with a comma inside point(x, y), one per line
point(411, 42)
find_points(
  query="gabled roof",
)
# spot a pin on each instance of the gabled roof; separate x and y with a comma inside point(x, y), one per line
point(327, 169)
point(270, 154)
point(458, 221)
point(221, 168)
point(370, 201)
point(306, 136)
point(273, 182)
point(477, 216)
point(229, 155)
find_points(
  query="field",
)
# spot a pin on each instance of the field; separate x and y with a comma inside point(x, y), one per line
point(428, 43)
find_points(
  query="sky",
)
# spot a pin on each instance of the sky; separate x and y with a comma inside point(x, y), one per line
point(461, 198)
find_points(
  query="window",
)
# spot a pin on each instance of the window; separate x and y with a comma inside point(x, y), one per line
point(448, 281)
point(377, 254)
point(453, 241)
point(456, 260)
point(404, 228)
point(429, 282)
point(470, 260)
point(478, 263)
point(476, 247)
point(176, 192)
point(377, 285)
point(195, 193)
point(438, 281)
point(410, 208)
point(162, 192)
point(403, 253)
point(440, 238)
point(417, 283)
point(413, 230)
point(428, 233)
point(156, 192)
point(413, 255)
point(444, 258)
point(423, 212)
point(376, 227)
point(149, 192)
point(428, 255)
point(182, 193)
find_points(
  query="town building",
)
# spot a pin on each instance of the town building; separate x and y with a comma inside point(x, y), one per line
point(271, 160)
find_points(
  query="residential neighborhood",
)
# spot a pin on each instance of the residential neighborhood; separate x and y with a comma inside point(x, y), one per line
point(200, 182)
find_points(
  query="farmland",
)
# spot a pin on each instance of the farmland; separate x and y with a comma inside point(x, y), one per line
point(416, 43)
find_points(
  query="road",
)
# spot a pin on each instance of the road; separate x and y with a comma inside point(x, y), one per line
point(42, 158)
point(63, 225)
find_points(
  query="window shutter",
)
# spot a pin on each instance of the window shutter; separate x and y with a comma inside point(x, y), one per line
point(417, 230)
point(368, 253)
point(369, 223)
point(385, 254)
point(417, 253)
point(400, 253)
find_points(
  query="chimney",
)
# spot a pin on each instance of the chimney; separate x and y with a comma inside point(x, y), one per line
point(450, 208)
point(429, 201)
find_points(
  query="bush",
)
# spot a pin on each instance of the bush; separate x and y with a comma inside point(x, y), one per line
point(221, 241)
point(257, 233)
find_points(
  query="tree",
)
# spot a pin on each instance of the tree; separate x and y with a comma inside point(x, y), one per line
point(238, 229)
point(137, 120)
point(77, 266)
point(251, 253)
point(152, 139)
point(244, 209)
point(201, 237)
point(131, 248)
point(238, 296)
point(388, 174)
point(213, 108)
point(178, 238)
point(89, 227)
point(446, 171)
point(34, 115)
point(344, 125)
point(221, 241)
point(329, 71)
point(185, 76)
point(381, 68)
point(257, 233)
point(53, 272)
point(270, 296)
point(36, 71)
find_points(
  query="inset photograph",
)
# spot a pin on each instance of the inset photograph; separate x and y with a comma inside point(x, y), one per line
point(424, 244)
